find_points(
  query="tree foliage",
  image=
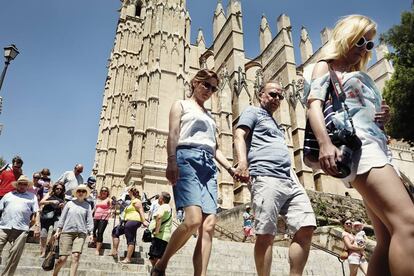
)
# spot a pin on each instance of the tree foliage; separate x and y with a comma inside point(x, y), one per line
point(399, 90)
point(2, 162)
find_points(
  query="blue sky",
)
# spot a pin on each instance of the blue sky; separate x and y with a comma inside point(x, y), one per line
point(52, 93)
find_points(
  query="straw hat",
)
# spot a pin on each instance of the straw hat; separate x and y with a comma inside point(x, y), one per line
point(22, 179)
point(82, 187)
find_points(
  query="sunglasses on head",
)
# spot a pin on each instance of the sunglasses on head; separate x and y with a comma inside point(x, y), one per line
point(81, 191)
point(369, 44)
point(209, 86)
point(275, 94)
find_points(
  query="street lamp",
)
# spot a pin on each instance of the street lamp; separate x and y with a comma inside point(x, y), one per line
point(10, 53)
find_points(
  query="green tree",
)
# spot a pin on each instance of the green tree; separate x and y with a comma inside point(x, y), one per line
point(399, 90)
point(2, 162)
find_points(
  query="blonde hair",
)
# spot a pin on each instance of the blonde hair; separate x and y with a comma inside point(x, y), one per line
point(203, 75)
point(348, 30)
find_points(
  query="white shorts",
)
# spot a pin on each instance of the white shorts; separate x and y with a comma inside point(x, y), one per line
point(356, 259)
point(374, 153)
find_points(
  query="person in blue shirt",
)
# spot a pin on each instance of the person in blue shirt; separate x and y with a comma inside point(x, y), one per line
point(264, 162)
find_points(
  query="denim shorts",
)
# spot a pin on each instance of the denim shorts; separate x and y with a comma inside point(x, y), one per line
point(273, 196)
point(197, 182)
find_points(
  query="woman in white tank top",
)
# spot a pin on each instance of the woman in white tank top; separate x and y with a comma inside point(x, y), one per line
point(192, 148)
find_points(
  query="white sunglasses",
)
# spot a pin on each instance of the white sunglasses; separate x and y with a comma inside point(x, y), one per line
point(369, 44)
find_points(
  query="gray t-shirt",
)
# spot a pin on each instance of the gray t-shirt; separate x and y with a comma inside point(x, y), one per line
point(76, 218)
point(17, 209)
point(71, 181)
point(267, 152)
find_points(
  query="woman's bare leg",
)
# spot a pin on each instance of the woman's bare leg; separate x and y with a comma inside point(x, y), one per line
point(202, 250)
point(192, 221)
point(378, 263)
point(386, 196)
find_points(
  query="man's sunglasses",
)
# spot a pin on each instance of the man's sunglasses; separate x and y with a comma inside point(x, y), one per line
point(275, 94)
point(209, 86)
point(369, 44)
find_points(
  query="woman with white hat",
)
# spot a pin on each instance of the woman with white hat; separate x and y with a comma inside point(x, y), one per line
point(75, 224)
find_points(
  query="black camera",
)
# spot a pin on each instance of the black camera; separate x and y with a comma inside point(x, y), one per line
point(348, 143)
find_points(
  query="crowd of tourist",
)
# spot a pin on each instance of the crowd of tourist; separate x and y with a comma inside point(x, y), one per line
point(71, 213)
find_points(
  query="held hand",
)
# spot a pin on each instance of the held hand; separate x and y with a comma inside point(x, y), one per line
point(56, 235)
point(91, 238)
point(328, 155)
point(242, 173)
point(145, 223)
point(172, 172)
point(61, 205)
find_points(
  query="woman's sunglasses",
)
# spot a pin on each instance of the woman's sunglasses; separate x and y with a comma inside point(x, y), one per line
point(369, 44)
point(81, 191)
point(209, 86)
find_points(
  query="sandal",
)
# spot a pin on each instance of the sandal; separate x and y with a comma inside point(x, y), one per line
point(157, 271)
point(125, 262)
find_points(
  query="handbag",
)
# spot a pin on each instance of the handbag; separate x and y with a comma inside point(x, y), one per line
point(47, 215)
point(49, 262)
point(334, 101)
point(147, 235)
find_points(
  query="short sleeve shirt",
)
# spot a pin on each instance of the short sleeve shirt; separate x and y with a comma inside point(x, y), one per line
point(362, 98)
point(267, 152)
point(164, 211)
point(247, 220)
point(17, 210)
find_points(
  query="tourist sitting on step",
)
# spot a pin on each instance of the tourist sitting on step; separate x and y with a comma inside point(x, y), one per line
point(20, 210)
point(51, 208)
point(101, 215)
point(161, 227)
point(264, 162)
point(74, 225)
point(372, 171)
point(192, 148)
point(356, 257)
point(131, 219)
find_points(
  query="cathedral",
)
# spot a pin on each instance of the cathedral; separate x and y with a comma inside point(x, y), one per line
point(151, 66)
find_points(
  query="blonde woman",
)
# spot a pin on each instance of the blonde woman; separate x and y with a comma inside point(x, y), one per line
point(192, 148)
point(372, 173)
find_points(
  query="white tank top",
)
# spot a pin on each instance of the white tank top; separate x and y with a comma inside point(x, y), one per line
point(197, 128)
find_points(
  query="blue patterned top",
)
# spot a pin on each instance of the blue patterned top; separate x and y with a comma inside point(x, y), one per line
point(362, 98)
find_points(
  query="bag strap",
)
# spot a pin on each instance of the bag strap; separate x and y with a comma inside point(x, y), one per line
point(339, 96)
point(167, 218)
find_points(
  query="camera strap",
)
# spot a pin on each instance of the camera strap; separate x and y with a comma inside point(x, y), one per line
point(339, 96)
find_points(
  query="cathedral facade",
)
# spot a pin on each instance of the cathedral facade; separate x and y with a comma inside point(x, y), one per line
point(151, 66)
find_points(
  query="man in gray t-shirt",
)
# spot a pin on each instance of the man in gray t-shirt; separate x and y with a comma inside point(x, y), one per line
point(264, 159)
point(71, 180)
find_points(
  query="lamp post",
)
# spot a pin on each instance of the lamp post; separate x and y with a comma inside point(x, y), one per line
point(10, 53)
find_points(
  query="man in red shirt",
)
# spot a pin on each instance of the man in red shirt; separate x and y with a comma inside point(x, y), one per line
point(9, 175)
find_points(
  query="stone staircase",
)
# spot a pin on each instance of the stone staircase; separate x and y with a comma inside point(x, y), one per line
point(228, 258)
